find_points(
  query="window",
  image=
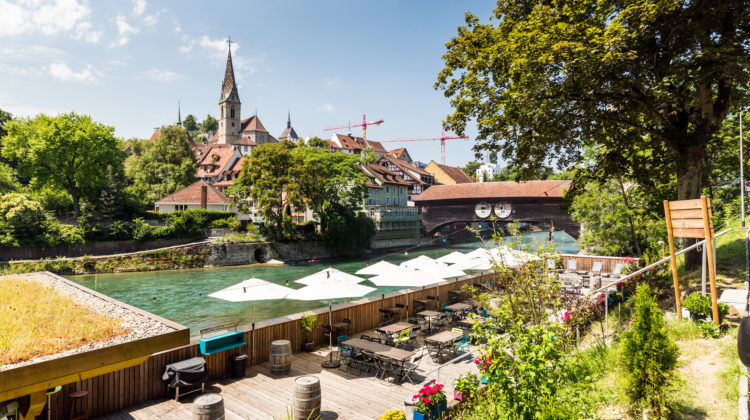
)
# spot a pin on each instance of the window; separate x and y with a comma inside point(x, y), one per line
point(232, 112)
point(387, 189)
point(180, 207)
point(222, 112)
point(402, 190)
point(387, 201)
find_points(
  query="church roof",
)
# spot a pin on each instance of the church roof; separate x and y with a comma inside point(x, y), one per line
point(288, 133)
point(252, 124)
point(228, 86)
point(192, 195)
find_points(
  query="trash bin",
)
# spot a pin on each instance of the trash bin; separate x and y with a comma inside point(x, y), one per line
point(238, 364)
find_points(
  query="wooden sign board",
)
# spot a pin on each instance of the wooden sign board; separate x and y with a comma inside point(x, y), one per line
point(691, 219)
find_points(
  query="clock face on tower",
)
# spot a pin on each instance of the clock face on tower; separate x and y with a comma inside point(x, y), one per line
point(483, 209)
point(502, 210)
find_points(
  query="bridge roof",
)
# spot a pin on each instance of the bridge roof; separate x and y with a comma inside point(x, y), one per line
point(493, 190)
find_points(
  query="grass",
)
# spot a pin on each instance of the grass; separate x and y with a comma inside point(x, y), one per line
point(36, 321)
point(241, 237)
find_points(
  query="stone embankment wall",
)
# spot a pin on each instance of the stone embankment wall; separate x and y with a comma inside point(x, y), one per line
point(92, 249)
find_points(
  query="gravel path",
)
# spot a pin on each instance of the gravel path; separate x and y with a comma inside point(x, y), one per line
point(138, 326)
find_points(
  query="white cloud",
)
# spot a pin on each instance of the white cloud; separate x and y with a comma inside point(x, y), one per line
point(28, 53)
point(139, 6)
point(62, 72)
point(124, 30)
point(50, 17)
point(327, 108)
point(331, 82)
point(163, 75)
point(85, 33)
point(151, 20)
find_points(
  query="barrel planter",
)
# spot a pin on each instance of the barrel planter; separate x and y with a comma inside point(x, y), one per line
point(208, 407)
point(281, 356)
point(433, 415)
point(306, 397)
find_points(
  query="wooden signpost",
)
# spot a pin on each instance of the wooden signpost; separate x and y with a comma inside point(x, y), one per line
point(691, 219)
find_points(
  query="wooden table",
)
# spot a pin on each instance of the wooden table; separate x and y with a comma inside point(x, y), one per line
point(469, 322)
point(394, 329)
point(458, 307)
point(379, 349)
point(429, 315)
point(338, 326)
point(444, 337)
point(395, 310)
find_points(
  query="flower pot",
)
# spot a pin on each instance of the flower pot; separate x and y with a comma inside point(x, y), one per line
point(308, 347)
point(434, 414)
point(461, 396)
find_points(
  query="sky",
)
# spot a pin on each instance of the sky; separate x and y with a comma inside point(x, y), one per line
point(128, 63)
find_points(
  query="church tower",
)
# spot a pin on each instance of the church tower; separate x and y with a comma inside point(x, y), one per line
point(229, 106)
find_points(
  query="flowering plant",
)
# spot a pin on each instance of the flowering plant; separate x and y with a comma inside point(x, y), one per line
point(430, 397)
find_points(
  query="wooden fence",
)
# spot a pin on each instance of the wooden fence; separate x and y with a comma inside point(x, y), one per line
point(586, 262)
point(117, 390)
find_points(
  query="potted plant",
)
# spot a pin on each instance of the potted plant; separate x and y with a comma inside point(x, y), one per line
point(308, 322)
point(431, 402)
point(723, 311)
point(393, 415)
point(465, 385)
point(698, 305)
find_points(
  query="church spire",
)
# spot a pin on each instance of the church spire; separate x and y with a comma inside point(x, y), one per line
point(288, 119)
point(179, 118)
point(229, 86)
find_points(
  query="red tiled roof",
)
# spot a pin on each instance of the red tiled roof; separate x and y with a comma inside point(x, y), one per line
point(224, 183)
point(397, 152)
point(245, 141)
point(384, 175)
point(404, 165)
point(192, 195)
point(456, 174)
point(493, 190)
point(214, 160)
point(237, 165)
point(359, 144)
point(252, 124)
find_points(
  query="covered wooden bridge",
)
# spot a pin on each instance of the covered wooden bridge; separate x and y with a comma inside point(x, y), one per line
point(536, 202)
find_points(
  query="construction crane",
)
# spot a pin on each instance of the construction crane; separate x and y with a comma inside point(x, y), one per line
point(442, 139)
point(363, 124)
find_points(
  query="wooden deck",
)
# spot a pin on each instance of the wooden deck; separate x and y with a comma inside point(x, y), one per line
point(263, 395)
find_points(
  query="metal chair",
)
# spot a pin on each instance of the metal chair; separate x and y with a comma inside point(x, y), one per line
point(403, 338)
point(410, 366)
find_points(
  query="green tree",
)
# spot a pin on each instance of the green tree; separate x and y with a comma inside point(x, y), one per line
point(8, 179)
point(164, 166)
point(649, 356)
point(69, 151)
point(190, 124)
point(471, 169)
point(646, 82)
point(329, 182)
point(317, 142)
point(210, 124)
point(22, 221)
point(368, 155)
point(268, 176)
point(350, 233)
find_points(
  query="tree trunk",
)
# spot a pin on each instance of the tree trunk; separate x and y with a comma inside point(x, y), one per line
point(689, 162)
point(76, 196)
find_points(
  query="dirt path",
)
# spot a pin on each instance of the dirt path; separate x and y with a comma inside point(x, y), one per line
point(701, 362)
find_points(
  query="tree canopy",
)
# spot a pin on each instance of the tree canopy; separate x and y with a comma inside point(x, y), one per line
point(210, 124)
point(190, 123)
point(162, 166)
point(69, 151)
point(644, 84)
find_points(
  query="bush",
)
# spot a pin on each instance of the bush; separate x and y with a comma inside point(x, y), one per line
point(141, 230)
point(698, 305)
point(120, 230)
point(650, 357)
point(219, 224)
point(22, 221)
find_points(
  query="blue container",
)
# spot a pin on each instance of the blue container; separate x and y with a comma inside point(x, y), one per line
point(434, 414)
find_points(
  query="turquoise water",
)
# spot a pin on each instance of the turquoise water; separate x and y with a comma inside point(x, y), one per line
point(182, 295)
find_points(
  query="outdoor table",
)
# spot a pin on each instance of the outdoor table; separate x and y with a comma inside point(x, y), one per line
point(429, 315)
point(399, 355)
point(444, 337)
point(338, 326)
point(425, 303)
point(458, 307)
point(394, 329)
point(441, 343)
point(469, 322)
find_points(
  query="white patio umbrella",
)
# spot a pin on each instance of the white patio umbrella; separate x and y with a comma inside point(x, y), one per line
point(452, 258)
point(251, 290)
point(405, 277)
point(380, 267)
point(433, 267)
point(329, 275)
point(333, 287)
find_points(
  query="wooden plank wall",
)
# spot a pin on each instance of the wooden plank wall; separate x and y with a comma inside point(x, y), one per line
point(117, 390)
point(586, 262)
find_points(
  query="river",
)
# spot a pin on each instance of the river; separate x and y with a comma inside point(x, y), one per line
point(182, 295)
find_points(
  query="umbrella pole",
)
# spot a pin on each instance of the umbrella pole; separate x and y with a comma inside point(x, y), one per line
point(330, 364)
point(252, 339)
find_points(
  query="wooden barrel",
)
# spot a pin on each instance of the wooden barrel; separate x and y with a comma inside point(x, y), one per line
point(208, 407)
point(281, 356)
point(306, 397)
